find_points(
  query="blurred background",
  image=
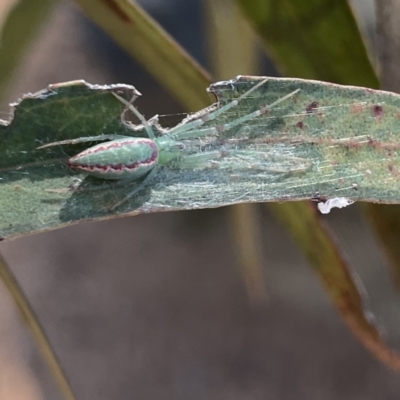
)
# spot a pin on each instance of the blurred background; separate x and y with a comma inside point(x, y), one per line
point(155, 306)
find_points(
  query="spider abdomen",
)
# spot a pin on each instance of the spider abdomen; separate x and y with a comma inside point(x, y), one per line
point(127, 158)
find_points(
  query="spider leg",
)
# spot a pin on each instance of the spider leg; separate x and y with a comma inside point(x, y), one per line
point(175, 132)
point(199, 161)
point(81, 140)
point(189, 133)
point(139, 187)
point(187, 162)
point(244, 160)
point(256, 113)
point(271, 162)
point(141, 118)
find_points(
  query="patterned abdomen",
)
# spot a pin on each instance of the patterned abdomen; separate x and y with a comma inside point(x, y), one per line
point(127, 158)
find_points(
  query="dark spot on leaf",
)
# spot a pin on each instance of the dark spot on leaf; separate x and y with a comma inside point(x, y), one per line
point(390, 166)
point(311, 107)
point(377, 110)
point(266, 112)
point(300, 124)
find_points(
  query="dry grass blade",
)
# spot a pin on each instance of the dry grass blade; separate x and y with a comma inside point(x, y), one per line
point(148, 43)
point(316, 243)
point(36, 329)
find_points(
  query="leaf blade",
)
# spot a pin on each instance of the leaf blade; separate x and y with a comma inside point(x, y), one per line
point(155, 49)
point(293, 152)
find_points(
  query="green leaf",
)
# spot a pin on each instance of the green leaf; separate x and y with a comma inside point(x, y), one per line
point(324, 141)
point(313, 39)
point(324, 43)
point(30, 177)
